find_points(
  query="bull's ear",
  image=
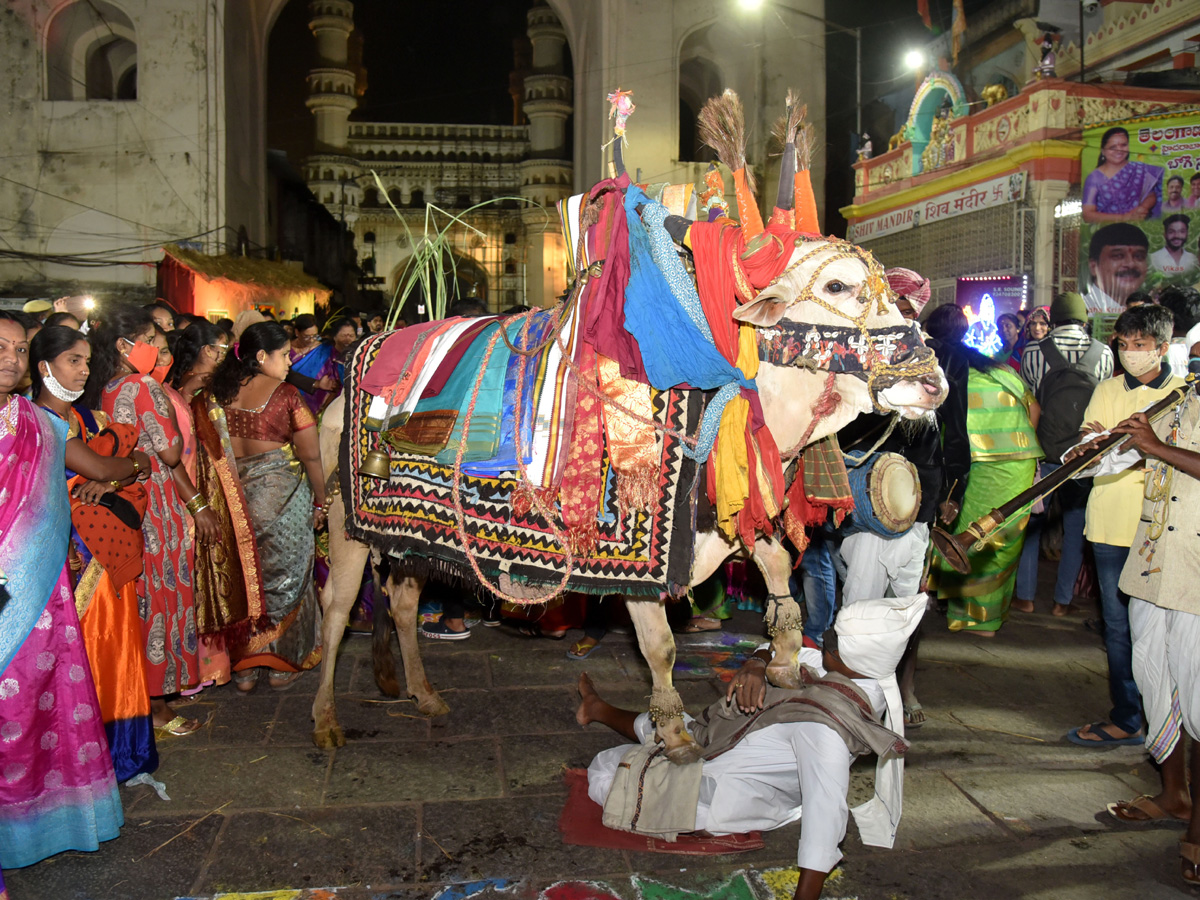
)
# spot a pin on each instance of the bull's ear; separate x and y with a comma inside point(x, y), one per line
point(764, 310)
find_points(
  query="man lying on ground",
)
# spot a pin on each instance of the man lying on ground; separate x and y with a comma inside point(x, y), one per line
point(766, 750)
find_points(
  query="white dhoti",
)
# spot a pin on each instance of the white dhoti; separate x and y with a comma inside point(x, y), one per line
point(1166, 667)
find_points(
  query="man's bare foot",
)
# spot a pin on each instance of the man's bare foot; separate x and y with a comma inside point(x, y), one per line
point(588, 700)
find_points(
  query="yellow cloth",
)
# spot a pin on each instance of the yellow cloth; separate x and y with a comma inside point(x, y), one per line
point(1115, 502)
point(732, 466)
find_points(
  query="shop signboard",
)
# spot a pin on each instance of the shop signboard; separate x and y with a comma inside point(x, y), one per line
point(1141, 208)
point(995, 192)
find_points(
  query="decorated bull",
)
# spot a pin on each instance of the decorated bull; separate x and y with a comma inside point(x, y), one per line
point(634, 437)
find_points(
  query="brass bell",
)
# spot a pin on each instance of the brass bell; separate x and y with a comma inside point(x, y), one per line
point(378, 464)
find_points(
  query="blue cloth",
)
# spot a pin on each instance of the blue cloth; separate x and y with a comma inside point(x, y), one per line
point(1126, 711)
point(32, 576)
point(675, 351)
point(1072, 498)
point(505, 459)
point(312, 362)
point(131, 743)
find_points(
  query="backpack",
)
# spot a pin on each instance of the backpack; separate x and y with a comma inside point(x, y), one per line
point(1064, 394)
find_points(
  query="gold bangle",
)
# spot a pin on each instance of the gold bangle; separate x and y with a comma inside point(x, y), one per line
point(137, 468)
point(199, 509)
point(196, 504)
point(116, 484)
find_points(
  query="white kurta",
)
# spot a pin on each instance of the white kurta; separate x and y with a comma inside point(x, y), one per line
point(763, 781)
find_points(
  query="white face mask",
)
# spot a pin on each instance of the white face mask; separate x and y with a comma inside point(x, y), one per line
point(1138, 362)
point(55, 387)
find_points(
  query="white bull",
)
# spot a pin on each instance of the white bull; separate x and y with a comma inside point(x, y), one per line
point(827, 284)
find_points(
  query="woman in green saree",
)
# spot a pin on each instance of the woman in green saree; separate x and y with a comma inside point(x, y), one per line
point(1001, 425)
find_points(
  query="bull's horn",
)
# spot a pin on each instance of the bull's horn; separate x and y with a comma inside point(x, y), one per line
point(722, 124)
point(784, 135)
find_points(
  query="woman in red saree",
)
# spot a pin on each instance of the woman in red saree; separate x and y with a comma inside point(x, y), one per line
point(273, 436)
point(57, 787)
point(123, 357)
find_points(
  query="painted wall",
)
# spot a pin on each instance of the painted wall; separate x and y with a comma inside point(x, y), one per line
point(120, 177)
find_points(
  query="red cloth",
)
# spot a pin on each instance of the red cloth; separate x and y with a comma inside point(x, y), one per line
point(718, 247)
point(582, 824)
point(117, 546)
point(604, 299)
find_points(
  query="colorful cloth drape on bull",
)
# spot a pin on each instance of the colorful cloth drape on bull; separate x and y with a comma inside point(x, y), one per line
point(412, 514)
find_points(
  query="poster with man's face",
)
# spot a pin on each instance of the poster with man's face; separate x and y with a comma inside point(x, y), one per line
point(1141, 209)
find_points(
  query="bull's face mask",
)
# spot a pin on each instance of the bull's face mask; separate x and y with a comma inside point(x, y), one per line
point(838, 350)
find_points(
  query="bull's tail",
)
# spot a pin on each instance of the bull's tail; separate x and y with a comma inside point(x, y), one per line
point(382, 627)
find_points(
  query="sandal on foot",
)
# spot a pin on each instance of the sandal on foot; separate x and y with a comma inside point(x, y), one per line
point(245, 680)
point(281, 681)
point(177, 727)
point(1140, 810)
point(1190, 869)
point(583, 648)
point(702, 623)
point(914, 715)
point(1103, 738)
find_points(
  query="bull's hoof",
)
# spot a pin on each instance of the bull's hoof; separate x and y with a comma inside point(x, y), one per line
point(432, 705)
point(687, 752)
point(787, 677)
point(329, 738)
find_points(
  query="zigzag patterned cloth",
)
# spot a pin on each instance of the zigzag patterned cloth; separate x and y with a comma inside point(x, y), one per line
point(411, 514)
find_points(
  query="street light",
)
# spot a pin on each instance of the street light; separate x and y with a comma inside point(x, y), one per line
point(914, 59)
point(751, 5)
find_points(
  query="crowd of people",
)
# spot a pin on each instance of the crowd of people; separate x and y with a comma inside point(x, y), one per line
point(178, 484)
point(167, 471)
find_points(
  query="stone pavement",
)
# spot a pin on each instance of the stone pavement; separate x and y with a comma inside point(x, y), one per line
point(997, 803)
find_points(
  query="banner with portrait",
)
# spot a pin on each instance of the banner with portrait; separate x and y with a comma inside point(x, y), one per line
point(1141, 209)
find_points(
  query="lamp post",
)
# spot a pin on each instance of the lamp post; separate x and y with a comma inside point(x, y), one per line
point(856, 33)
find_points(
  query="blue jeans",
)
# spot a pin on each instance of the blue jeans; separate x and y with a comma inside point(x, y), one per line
point(1072, 497)
point(820, 586)
point(1127, 701)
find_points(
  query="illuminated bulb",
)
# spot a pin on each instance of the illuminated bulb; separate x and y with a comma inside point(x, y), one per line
point(750, 5)
point(914, 59)
point(89, 303)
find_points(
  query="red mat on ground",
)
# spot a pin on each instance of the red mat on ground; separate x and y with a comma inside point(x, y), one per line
point(582, 823)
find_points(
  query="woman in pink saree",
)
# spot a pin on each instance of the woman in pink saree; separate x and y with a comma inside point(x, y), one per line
point(57, 787)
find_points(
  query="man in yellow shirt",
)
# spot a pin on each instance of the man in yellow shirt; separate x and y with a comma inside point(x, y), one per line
point(1143, 335)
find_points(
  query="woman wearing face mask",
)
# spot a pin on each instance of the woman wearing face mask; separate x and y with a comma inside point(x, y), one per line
point(229, 595)
point(58, 790)
point(123, 358)
point(106, 547)
point(271, 429)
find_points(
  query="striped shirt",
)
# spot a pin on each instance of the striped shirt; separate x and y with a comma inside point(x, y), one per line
point(1072, 342)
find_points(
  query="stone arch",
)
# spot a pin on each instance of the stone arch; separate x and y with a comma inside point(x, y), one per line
point(699, 79)
point(935, 91)
point(464, 277)
point(89, 51)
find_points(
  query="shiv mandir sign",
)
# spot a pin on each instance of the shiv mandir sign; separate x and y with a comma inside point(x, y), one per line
point(996, 192)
